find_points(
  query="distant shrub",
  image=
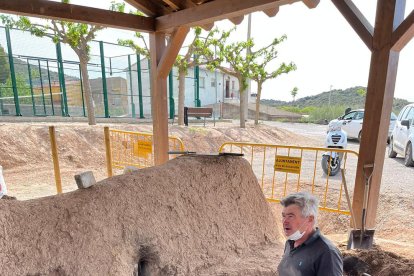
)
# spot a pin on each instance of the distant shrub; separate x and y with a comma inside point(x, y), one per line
point(319, 114)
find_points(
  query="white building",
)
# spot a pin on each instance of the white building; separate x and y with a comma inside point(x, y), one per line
point(215, 88)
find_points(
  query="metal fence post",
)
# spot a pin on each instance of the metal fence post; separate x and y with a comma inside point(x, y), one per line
point(130, 85)
point(41, 85)
point(171, 90)
point(61, 71)
point(31, 87)
point(197, 85)
point(1, 104)
point(13, 73)
point(104, 88)
point(141, 106)
point(50, 87)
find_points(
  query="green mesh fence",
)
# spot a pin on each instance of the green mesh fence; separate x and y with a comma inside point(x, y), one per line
point(50, 84)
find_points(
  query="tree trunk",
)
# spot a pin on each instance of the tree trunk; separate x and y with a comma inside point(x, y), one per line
point(181, 96)
point(242, 105)
point(87, 91)
point(259, 94)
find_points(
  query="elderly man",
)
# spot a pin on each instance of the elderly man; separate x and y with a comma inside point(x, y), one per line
point(307, 252)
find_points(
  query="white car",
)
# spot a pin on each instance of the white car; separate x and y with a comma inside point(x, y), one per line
point(402, 137)
point(352, 123)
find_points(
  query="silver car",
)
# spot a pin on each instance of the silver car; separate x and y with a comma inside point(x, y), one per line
point(402, 137)
point(352, 123)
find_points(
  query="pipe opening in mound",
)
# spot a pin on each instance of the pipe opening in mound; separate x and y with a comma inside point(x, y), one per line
point(143, 268)
point(147, 264)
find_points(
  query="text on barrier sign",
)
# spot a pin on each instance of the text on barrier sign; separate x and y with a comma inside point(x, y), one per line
point(288, 164)
point(142, 148)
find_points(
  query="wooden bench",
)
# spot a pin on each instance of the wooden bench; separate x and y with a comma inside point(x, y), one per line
point(206, 112)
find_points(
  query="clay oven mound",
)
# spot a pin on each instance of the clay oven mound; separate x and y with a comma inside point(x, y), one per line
point(195, 215)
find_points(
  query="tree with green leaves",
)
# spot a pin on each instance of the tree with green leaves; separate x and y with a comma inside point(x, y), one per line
point(361, 91)
point(22, 85)
point(234, 55)
point(244, 66)
point(76, 35)
point(183, 63)
point(294, 92)
point(261, 60)
point(4, 66)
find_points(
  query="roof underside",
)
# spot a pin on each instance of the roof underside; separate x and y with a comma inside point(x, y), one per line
point(161, 15)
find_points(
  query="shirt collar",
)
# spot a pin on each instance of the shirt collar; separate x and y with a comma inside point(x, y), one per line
point(314, 237)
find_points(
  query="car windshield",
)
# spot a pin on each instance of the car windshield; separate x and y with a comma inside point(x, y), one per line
point(393, 116)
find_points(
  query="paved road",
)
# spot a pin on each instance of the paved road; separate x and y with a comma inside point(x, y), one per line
point(396, 178)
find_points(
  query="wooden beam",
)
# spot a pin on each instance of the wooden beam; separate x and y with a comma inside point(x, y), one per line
point(148, 7)
point(271, 12)
point(174, 4)
point(404, 33)
point(237, 20)
point(69, 12)
point(158, 100)
point(378, 107)
point(214, 11)
point(311, 3)
point(208, 26)
point(356, 19)
point(170, 55)
point(185, 4)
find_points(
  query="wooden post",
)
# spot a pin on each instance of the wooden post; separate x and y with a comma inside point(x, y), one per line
point(108, 151)
point(162, 60)
point(158, 100)
point(55, 158)
point(378, 107)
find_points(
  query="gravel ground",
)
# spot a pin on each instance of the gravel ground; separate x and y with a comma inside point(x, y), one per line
point(396, 178)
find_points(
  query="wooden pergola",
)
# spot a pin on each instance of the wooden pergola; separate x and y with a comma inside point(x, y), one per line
point(173, 18)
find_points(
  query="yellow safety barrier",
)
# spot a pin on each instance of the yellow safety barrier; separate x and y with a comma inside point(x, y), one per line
point(129, 148)
point(282, 170)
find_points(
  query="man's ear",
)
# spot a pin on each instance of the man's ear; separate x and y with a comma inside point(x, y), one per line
point(311, 219)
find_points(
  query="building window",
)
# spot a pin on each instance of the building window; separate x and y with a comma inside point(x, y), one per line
point(213, 82)
point(201, 82)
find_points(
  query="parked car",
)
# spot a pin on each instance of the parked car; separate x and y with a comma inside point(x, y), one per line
point(352, 123)
point(402, 137)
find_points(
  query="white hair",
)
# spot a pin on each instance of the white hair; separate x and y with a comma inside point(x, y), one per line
point(307, 202)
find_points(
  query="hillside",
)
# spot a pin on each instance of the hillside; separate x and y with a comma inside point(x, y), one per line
point(21, 68)
point(348, 97)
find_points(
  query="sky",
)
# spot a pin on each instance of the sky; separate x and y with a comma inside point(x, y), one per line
point(326, 50)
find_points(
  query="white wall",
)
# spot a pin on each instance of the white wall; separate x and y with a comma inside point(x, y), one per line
point(209, 94)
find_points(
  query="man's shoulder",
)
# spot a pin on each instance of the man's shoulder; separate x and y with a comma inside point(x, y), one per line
point(326, 244)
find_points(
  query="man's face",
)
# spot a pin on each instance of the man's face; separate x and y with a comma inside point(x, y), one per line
point(293, 220)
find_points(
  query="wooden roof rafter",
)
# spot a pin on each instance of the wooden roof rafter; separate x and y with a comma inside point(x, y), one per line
point(149, 7)
point(404, 33)
point(76, 13)
point(357, 21)
point(185, 4)
point(212, 11)
point(272, 11)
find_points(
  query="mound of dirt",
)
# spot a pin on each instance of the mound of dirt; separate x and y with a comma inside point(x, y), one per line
point(27, 162)
point(195, 215)
point(381, 263)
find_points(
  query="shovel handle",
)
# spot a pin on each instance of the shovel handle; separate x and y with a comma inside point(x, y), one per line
point(347, 197)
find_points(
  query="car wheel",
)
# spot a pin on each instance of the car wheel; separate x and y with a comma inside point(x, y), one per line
point(408, 160)
point(359, 136)
point(391, 152)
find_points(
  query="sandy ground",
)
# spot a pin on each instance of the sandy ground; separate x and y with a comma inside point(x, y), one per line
point(28, 172)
